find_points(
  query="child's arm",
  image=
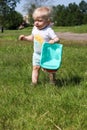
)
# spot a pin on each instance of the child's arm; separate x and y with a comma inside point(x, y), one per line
point(26, 38)
point(52, 41)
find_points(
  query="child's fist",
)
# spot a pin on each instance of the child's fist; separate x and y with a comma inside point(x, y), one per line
point(21, 37)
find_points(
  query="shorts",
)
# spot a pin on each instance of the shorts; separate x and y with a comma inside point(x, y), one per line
point(36, 59)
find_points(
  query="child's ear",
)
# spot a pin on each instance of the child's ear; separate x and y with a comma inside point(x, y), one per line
point(49, 21)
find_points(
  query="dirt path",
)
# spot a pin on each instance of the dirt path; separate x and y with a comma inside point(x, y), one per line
point(72, 36)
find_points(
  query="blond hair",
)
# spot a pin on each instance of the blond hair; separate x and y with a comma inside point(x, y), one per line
point(43, 12)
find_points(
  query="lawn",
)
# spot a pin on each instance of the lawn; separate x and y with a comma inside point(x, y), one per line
point(75, 29)
point(44, 107)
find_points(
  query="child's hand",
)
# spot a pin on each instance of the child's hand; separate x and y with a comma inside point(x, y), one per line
point(55, 40)
point(51, 41)
point(21, 37)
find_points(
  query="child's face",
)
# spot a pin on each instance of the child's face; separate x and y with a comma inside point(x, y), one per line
point(40, 23)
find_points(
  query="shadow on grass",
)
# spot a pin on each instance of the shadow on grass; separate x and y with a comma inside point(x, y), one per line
point(75, 80)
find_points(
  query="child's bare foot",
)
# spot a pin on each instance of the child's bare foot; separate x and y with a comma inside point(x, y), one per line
point(33, 84)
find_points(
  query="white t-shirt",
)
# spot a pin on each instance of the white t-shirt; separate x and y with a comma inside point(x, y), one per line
point(41, 36)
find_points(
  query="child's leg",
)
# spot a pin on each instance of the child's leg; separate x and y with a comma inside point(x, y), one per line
point(52, 78)
point(35, 74)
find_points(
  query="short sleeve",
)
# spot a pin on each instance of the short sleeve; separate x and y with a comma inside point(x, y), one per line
point(51, 33)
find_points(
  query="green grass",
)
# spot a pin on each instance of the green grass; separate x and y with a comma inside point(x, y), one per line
point(45, 107)
point(74, 29)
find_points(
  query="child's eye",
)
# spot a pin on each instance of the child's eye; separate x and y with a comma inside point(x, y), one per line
point(40, 20)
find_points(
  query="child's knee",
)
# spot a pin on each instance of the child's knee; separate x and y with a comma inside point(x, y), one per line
point(36, 67)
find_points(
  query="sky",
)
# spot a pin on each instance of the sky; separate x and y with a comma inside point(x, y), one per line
point(20, 7)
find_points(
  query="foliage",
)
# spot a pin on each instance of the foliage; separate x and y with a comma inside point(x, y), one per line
point(83, 6)
point(7, 5)
point(30, 11)
point(6, 8)
point(44, 107)
point(70, 15)
point(14, 20)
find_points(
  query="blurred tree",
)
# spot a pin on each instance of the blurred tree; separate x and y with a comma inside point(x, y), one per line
point(30, 12)
point(83, 9)
point(70, 15)
point(14, 20)
point(6, 6)
point(74, 15)
point(59, 15)
point(83, 6)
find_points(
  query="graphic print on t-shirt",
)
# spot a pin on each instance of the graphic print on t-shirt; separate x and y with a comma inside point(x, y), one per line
point(38, 39)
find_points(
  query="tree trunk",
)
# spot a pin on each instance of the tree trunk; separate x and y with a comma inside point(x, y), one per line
point(2, 29)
